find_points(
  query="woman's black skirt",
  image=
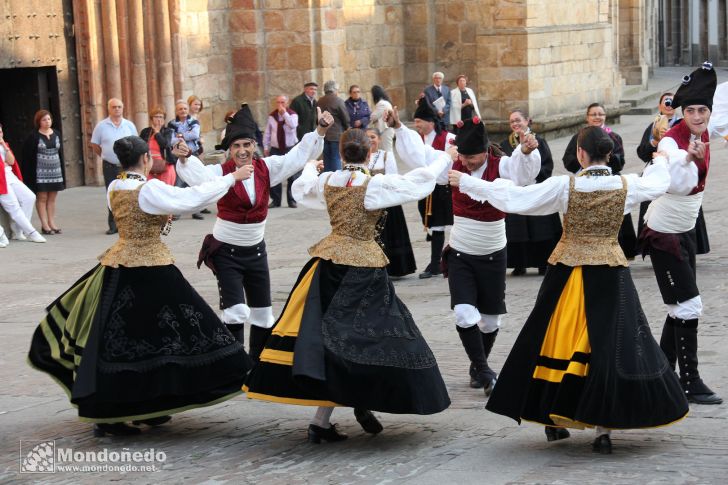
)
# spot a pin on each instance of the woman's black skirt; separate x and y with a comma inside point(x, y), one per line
point(136, 343)
point(531, 239)
point(586, 357)
point(396, 241)
point(436, 208)
point(345, 339)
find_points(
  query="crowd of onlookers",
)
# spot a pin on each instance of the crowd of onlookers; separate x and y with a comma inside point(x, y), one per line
point(38, 176)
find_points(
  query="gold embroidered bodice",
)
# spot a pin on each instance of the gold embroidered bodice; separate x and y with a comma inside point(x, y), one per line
point(139, 241)
point(353, 229)
point(591, 227)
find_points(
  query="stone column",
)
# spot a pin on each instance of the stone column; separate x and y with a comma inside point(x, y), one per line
point(138, 106)
point(110, 33)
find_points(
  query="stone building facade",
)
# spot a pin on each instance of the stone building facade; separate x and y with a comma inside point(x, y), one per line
point(552, 58)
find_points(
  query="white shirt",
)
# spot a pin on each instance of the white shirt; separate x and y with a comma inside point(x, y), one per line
point(158, 198)
point(280, 167)
point(383, 160)
point(552, 195)
point(383, 190)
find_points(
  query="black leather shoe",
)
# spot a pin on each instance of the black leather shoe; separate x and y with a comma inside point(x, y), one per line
point(602, 444)
point(518, 272)
point(330, 434)
point(711, 398)
point(273, 205)
point(554, 434)
point(368, 421)
point(109, 232)
point(115, 429)
point(198, 216)
point(292, 205)
point(488, 389)
point(158, 421)
point(205, 211)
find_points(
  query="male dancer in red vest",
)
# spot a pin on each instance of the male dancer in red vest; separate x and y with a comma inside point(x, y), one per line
point(436, 208)
point(669, 232)
point(475, 258)
point(235, 251)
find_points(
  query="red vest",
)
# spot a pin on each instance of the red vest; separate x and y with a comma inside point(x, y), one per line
point(235, 206)
point(464, 206)
point(681, 134)
point(440, 141)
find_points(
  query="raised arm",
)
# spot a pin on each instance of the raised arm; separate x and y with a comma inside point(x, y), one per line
point(194, 172)
point(413, 152)
point(158, 198)
point(522, 168)
point(308, 189)
point(552, 195)
point(683, 173)
point(387, 190)
point(653, 182)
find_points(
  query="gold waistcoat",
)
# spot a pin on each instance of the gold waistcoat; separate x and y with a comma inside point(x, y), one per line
point(139, 241)
point(591, 227)
point(353, 229)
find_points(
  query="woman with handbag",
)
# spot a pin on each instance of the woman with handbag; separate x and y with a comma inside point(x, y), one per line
point(159, 138)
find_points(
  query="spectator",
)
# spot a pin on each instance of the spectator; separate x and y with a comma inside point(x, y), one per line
point(382, 104)
point(332, 103)
point(441, 107)
point(15, 198)
point(159, 138)
point(305, 107)
point(43, 169)
point(358, 108)
point(279, 138)
point(464, 104)
point(596, 115)
point(196, 107)
point(106, 132)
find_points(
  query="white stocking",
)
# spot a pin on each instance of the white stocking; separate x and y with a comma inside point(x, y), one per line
point(322, 416)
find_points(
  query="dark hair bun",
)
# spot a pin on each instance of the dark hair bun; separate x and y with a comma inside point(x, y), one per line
point(354, 144)
point(604, 146)
point(354, 152)
point(129, 149)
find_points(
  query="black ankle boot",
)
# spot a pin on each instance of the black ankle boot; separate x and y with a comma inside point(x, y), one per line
point(602, 444)
point(158, 421)
point(115, 429)
point(368, 421)
point(258, 338)
point(330, 434)
point(667, 341)
point(473, 345)
point(695, 389)
point(238, 331)
point(554, 433)
point(488, 341)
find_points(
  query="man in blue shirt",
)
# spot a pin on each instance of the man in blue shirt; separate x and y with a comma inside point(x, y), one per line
point(106, 132)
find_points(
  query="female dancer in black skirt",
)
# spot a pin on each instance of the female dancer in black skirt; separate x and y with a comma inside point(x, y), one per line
point(585, 357)
point(132, 340)
point(394, 236)
point(596, 115)
point(344, 337)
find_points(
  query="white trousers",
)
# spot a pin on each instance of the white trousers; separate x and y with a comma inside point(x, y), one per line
point(18, 203)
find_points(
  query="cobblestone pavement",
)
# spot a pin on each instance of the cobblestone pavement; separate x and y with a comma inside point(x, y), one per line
point(244, 441)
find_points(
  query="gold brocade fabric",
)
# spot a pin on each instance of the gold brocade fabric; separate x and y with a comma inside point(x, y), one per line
point(353, 229)
point(139, 241)
point(591, 227)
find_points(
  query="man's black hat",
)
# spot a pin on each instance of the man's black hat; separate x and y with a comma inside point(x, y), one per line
point(424, 111)
point(698, 88)
point(472, 137)
point(308, 84)
point(243, 125)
